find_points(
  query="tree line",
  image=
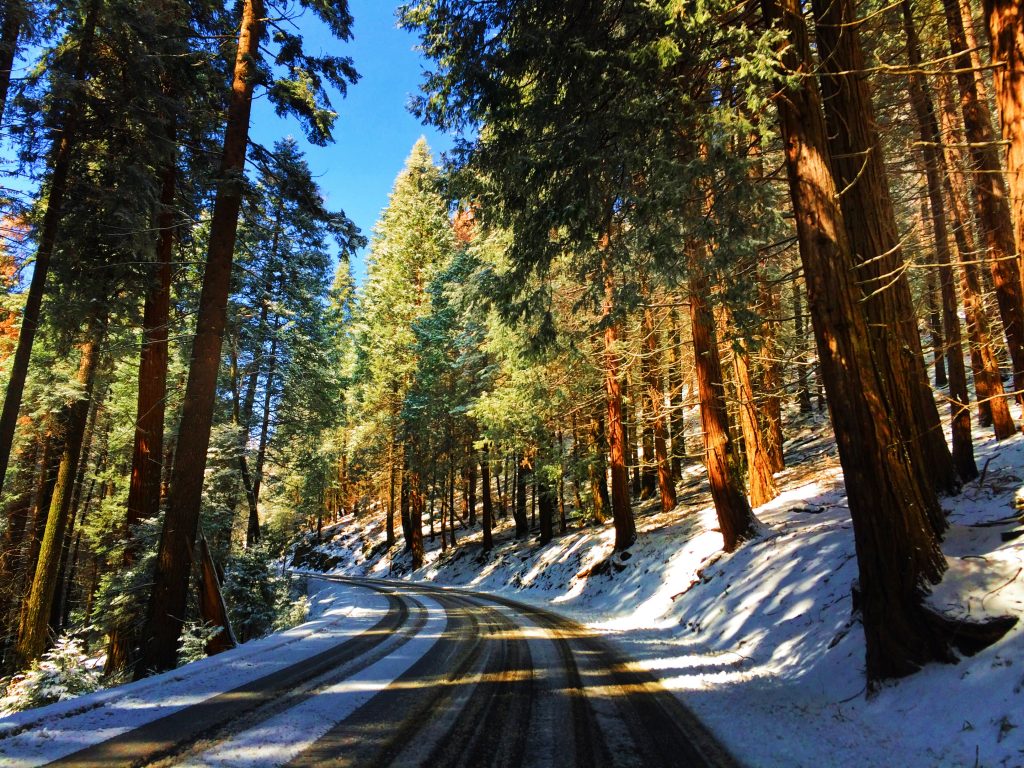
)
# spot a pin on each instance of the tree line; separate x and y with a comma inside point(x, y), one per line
point(739, 208)
point(171, 362)
point(668, 232)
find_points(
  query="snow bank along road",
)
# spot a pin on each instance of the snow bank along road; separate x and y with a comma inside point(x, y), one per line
point(419, 676)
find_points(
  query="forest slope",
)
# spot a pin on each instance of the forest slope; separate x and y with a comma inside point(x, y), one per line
point(763, 643)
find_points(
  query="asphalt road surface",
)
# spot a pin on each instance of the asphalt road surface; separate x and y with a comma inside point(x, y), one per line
point(486, 682)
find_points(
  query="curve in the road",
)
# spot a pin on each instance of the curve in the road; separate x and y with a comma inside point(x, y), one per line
point(504, 684)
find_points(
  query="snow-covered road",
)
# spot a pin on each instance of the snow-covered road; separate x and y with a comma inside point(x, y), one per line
point(388, 674)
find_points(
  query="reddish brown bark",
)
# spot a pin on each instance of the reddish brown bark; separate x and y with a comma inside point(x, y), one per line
point(622, 511)
point(147, 454)
point(759, 464)
point(993, 408)
point(170, 584)
point(990, 197)
point(898, 552)
point(735, 518)
point(656, 403)
point(874, 237)
point(931, 140)
point(1004, 20)
point(416, 505)
point(211, 603)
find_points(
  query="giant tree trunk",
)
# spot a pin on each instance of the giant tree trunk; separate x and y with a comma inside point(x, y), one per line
point(655, 401)
point(170, 584)
point(990, 198)
point(32, 633)
point(389, 526)
point(897, 546)
point(1004, 20)
point(622, 511)
point(147, 454)
point(873, 235)
point(735, 518)
point(63, 145)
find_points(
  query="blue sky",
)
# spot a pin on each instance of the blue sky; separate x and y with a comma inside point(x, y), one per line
point(375, 131)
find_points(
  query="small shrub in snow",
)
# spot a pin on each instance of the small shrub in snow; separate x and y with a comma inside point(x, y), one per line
point(62, 673)
point(258, 597)
point(194, 638)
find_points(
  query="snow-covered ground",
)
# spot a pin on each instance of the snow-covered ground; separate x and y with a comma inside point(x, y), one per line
point(761, 643)
point(339, 612)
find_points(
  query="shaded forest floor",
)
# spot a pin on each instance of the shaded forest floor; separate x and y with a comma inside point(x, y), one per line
point(761, 644)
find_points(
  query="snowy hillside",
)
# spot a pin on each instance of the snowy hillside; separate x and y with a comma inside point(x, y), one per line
point(762, 643)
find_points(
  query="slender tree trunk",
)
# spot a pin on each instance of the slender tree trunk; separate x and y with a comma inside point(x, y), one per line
point(416, 505)
point(170, 584)
point(56, 620)
point(471, 488)
point(597, 470)
point(759, 465)
point(803, 361)
point(52, 453)
point(522, 469)
point(32, 633)
point(988, 383)
point(932, 301)
point(676, 400)
point(655, 399)
point(390, 522)
point(63, 146)
point(990, 198)
point(931, 140)
point(487, 518)
point(898, 551)
point(622, 511)
point(546, 505)
point(1004, 20)
point(770, 411)
point(14, 17)
point(859, 169)
point(735, 517)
